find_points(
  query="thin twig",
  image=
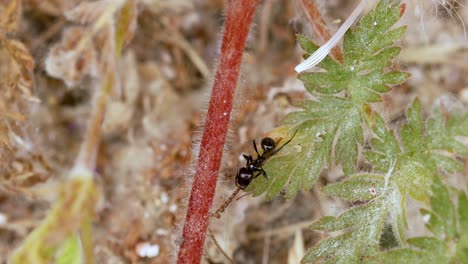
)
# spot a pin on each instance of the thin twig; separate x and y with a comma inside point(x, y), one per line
point(87, 156)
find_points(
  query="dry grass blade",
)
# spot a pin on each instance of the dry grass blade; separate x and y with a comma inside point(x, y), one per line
point(9, 16)
point(78, 64)
point(88, 12)
point(19, 53)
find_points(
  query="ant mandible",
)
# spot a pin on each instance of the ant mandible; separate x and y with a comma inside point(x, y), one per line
point(253, 168)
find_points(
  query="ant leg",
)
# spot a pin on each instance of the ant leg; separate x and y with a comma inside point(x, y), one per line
point(223, 207)
point(263, 172)
point(248, 158)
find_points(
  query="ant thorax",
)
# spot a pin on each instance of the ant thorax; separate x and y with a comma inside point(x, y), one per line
point(252, 169)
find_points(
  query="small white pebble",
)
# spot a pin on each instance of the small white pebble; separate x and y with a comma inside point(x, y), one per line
point(426, 218)
point(146, 250)
point(3, 219)
point(375, 23)
point(164, 198)
point(172, 208)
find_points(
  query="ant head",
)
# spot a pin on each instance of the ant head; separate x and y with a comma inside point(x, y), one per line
point(243, 178)
point(268, 144)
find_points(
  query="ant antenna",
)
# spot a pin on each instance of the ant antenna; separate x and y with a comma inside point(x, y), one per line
point(282, 146)
point(242, 196)
point(245, 176)
point(255, 147)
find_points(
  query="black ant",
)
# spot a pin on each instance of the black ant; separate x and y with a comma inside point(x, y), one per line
point(252, 169)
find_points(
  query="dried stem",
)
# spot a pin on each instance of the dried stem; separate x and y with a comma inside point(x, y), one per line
point(319, 25)
point(87, 155)
point(239, 16)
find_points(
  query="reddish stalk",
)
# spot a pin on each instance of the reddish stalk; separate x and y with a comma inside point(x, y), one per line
point(239, 16)
point(319, 25)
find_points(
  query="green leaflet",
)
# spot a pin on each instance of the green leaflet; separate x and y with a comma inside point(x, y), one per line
point(70, 252)
point(417, 158)
point(449, 225)
point(408, 166)
point(330, 132)
point(330, 129)
point(362, 227)
point(443, 130)
point(285, 168)
point(361, 187)
point(420, 250)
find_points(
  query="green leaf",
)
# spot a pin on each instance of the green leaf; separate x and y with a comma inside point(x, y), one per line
point(412, 132)
point(443, 131)
point(70, 252)
point(386, 149)
point(395, 77)
point(328, 249)
point(404, 255)
point(442, 206)
point(463, 213)
point(299, 162)
point(320, 125)
point(330, 128)
point(446, 163)
point(362, 227)
point(421, 250)
point(414, 178)
point(348, 137)
point(461, 254)
point(361, 187)
point(348, 219)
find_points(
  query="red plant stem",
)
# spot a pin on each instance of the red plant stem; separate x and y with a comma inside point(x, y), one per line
point(239, 16)
point(319, 25)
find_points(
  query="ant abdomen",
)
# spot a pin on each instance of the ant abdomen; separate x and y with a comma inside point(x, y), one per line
point(268, 144)
point(244, 177)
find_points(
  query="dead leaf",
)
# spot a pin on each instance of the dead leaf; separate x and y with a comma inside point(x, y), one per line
point(66, 63)
point(9, 16)
point(19, 53)
point(88, 12)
